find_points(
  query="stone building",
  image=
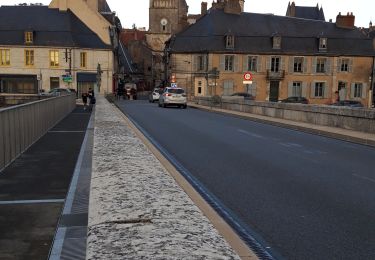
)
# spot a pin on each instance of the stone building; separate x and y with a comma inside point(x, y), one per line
point(60, 45)
point(287, 56)
point(305, 12)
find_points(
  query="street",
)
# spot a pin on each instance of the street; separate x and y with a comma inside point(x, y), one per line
point(300, 195)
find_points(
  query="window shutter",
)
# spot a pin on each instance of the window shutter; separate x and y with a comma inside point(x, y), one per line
point(350, 65)
point(195, 62)
point(291, 65)
point(326, 91)
point(352, 90)
point(339, 62)
point(259, 63)
point(236, 64)
point(204, 57)
point(304, 89)
point(245, 59)
point(222, 62)
point(364, 90)
point(304, 65)
point(268, 63)
point(328, 66)
point(314, 65)
point(290, 89)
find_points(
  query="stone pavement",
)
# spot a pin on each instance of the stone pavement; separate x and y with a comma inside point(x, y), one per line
point(333, 132)
point(137, 210)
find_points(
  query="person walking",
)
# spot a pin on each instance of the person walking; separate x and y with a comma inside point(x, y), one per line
point(92, 98)
point(84, 100)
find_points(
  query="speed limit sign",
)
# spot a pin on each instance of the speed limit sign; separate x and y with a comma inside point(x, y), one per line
point(247, 76)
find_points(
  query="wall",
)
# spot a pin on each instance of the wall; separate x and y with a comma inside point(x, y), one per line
point(362, 120)
point(22, 125)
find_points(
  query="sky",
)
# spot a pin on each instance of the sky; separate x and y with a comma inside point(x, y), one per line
point(136, 11)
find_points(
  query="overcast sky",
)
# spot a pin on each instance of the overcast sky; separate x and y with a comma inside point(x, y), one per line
point(136, 11)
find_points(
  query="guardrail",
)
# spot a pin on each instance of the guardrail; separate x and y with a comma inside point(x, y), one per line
point(22, 125)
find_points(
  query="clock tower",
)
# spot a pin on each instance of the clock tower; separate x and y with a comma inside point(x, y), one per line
point(166, 17)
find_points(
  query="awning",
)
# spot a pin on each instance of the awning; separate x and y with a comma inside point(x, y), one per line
point(86, 77)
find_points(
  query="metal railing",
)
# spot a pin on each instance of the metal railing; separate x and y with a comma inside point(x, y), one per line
point(22, 125)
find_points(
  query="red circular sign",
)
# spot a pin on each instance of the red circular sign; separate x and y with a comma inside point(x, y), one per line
point(247, 76)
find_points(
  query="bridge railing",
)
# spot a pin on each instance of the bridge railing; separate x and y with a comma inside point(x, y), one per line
point(22, 125)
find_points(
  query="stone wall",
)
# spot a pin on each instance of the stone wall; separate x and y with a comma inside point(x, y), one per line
point(356, 119)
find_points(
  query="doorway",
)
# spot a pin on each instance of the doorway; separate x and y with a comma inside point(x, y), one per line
point(274, 91)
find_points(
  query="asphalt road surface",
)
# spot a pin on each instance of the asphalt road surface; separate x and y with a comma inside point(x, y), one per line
point(303, 196)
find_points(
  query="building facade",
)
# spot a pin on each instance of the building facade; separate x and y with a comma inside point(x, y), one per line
point(60, 45)
point(286, 56)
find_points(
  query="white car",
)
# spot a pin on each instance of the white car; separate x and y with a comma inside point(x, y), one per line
point(154, 95)
point(173, 96)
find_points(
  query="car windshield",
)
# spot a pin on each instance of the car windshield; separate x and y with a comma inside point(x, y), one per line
point(176, 90)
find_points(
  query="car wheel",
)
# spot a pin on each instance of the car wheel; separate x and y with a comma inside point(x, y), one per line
point(164, 105)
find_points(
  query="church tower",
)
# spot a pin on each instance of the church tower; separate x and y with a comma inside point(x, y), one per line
point(166, 17)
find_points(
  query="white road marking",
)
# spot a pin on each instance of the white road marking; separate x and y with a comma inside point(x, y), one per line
point(250, 134)
point(363, 177)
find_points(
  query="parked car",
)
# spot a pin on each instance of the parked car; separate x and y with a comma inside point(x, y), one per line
point(243, 94)
point(59, 92)
point(300, 100)
point(173, 96)
point(154, 95)
point(348, 103)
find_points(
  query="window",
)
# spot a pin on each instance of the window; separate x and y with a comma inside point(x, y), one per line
point(4, 57)
point(358, 88)
point(29, 57)
point(229, 41)
point(29, 37)
point(276, 42)
point(229, 63)
point(201, 63)
point(344, 65)
point(320, 65)
point(252, 89)
point(228, 88)
point(54, 58)
point(275, 64)
point(54, 82)
point(298, 64)
point(296, 89)
point(252, 62)
point(83, 59)
point(322, 44)
point(319, 89)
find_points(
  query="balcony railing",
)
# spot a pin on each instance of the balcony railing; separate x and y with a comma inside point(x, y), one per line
point(275, 74)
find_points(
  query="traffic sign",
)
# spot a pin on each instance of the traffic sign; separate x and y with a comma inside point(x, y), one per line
point(173, 85)
point(247, 76)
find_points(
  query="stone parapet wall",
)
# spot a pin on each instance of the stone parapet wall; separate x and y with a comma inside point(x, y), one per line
point(356, 119)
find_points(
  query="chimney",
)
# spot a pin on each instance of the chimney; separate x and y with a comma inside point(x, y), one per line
point(233, 7)
point(345, 21)
point(203, 8)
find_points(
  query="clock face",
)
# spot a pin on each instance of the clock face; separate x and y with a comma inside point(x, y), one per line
point(163, 21)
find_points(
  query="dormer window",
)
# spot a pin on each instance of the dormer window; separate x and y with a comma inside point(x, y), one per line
point(229, 41)
point(276, 42)
point(29, 37)
point(322, 44)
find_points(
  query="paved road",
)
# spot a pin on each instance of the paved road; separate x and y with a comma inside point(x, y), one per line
point(304, 196)
point(33, 189)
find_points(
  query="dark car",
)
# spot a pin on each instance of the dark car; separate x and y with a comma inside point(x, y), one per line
point(243, 94)
point(300, 100)
point(348, 103)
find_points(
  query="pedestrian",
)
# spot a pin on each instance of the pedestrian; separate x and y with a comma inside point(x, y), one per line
point(91, 96)
point(84, 100)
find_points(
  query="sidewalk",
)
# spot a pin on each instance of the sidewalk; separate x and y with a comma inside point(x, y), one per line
point(333, 132)
point(137, 210)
